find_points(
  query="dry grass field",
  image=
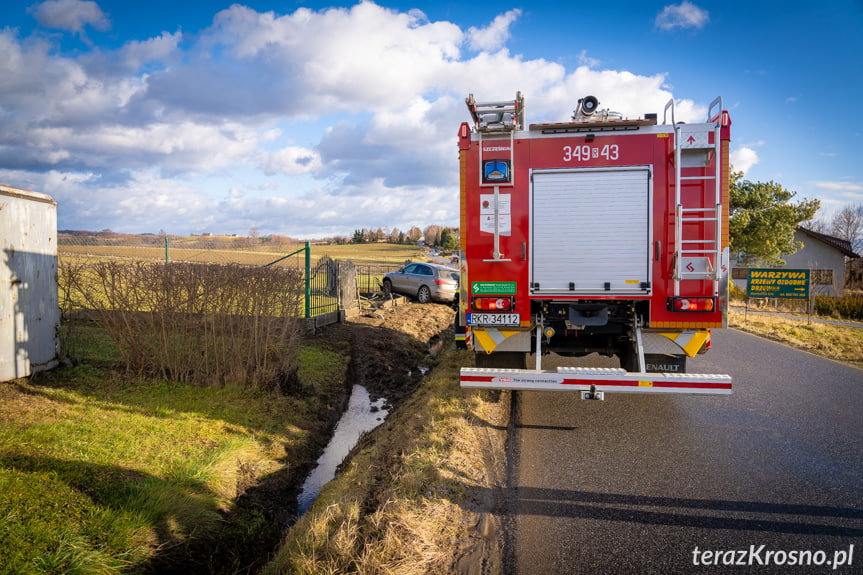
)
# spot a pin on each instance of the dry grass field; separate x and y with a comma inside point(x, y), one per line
point(215, 250)
point(837, 342)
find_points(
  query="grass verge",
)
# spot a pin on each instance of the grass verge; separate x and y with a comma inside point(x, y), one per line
point(832, 341)
point(101, 473)
point(413, 494)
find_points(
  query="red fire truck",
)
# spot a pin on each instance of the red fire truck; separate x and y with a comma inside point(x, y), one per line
point(600, 235)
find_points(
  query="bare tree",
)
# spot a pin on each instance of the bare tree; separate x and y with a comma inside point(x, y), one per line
point(432, 234)
point(848, 225)
point(817, 224)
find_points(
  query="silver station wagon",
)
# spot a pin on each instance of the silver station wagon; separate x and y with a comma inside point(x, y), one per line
point(423, 281)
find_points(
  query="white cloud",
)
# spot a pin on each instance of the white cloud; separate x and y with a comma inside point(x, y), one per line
point(185, 147)
point(141, 201)
point(495, 35)
point(70, 15)
point(136, 54)
point(292, 161)
point(630, 94)
point(835, 195)
point(326, 211)
point(684, 15)
point(743, 158)
point(585, 60)
point(35, 82)
point(840, 186)
point(306, 124)
point(329, 61)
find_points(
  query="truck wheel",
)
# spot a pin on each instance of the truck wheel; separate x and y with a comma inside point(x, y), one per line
point(501, 360)
point(424, 295)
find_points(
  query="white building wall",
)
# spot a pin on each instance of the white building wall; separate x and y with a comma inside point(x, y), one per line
point(29, 311)
point(816, 255)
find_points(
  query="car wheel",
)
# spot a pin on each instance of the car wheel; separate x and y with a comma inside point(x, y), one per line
point(388, 288)
point(424, 295)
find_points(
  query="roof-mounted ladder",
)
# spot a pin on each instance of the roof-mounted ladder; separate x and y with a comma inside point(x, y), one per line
point(699, 256)
point(505, 116)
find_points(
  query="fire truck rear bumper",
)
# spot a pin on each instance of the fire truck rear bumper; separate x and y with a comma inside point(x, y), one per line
point(595, 380)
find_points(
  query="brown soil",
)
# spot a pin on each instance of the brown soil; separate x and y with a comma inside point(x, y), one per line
point(391, 346)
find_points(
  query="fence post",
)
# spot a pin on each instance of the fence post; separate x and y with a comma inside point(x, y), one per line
point(308, 279)
point(166, 249)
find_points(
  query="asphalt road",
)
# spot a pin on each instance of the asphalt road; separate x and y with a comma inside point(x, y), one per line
point(637, 484)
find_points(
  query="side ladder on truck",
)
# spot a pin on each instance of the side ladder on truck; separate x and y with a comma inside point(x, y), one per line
point(699, 257)
point(495, 120)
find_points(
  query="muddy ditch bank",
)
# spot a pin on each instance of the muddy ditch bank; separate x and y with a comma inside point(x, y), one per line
point(389, 349)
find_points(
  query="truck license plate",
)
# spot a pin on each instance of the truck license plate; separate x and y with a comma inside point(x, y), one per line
point(505, 319)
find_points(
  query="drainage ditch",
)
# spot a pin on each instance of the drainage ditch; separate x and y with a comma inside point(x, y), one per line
point(361, 416)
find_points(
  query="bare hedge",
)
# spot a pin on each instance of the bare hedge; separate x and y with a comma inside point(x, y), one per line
point(206, 324)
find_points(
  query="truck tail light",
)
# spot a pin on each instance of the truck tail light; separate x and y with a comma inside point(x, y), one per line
point(493, 303)
point(691, 304)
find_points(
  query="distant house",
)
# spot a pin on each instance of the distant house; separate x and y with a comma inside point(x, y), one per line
point(825, 255)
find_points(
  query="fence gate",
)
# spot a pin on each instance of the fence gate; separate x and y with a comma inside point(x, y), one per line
point(331, 285)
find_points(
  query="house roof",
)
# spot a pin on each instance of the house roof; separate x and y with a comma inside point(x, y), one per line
point(843, 246)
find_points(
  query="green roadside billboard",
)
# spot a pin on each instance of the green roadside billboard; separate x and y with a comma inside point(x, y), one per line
point(793, 284)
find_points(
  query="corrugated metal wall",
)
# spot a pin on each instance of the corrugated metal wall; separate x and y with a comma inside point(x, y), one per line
point(29, 311)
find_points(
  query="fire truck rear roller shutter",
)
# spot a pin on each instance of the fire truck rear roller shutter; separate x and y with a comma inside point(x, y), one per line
point(591, 229)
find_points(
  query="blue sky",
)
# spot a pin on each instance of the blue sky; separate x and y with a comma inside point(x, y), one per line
point(313, 119)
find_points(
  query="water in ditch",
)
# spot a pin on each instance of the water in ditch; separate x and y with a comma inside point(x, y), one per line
point(361, 416)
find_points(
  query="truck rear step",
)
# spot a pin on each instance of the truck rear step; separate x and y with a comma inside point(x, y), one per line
point(590, 379)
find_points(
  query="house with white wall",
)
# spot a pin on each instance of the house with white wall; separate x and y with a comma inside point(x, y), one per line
point(825, 255)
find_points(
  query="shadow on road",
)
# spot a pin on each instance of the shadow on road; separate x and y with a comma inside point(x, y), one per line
point(697, 513)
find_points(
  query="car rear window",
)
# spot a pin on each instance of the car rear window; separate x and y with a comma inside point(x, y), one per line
point(447, 274)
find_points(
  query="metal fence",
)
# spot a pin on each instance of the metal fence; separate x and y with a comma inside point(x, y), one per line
point(329, 284)
point(334, 285)
point(370, 277)
point(167, 248)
